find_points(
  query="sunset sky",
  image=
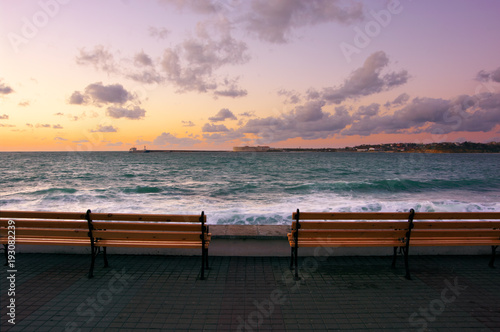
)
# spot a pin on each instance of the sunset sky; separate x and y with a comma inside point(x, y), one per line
point(188, 74)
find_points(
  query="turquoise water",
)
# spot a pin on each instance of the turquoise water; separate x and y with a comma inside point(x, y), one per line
point(248, 188)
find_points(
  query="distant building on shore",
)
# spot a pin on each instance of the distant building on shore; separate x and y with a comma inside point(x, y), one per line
point(259, 148)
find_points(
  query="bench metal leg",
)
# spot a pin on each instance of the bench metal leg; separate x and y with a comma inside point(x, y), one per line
point(93, 254)
point(492, 260)
point(203, 258)
point(204, 262)
point(407, 267)
point(395, 255)
point(291, 258)
point(206, 259)
point(296, 265)
point(105, 257)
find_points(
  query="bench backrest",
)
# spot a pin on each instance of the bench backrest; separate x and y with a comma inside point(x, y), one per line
point(148, 228)
point(93, 226)
point(446, 228)
point(421, 228)
point(350, 226)
point(53, 225)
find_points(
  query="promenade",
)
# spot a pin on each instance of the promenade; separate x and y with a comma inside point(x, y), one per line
point(137, 293)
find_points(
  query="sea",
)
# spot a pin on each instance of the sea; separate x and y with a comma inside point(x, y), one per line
point(248, 188)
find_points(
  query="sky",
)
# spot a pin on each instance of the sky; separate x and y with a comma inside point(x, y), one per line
point(209, 75)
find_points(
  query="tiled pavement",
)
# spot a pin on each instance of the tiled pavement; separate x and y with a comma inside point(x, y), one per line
point(447, 293)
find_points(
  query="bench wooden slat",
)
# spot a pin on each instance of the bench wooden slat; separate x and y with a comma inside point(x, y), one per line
point(48, 233)
point(351, 215)
point(455, 224)
point(19, 223)
point(155, 244)
point(138, 235)
point(396, 215)
point(41, 215)
point(456, 215)
point(455, 242)
point(344, 243)
point(351, 225)
point(304, 234)
point(146, 226)
point(49, 241)
point(146, 217)
point(462, 233)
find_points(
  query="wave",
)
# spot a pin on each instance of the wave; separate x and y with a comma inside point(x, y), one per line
point(53, 191)
point(390, 185)
point(128, 175)
point(142, 190)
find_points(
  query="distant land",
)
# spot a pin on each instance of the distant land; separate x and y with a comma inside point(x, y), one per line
point(443, 147)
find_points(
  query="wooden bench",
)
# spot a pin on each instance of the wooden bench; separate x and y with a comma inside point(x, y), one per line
point(386, 229)
point(40, 228)
point(457, 229)
point(150, 231)
point(350, 229)
point(101, 230)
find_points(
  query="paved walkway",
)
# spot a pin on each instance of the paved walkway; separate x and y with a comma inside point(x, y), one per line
point(447, 293)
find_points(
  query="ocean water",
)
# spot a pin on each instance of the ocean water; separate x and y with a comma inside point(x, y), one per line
point(248, 188)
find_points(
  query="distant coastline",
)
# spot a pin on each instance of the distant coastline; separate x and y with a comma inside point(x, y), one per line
point(444, 147)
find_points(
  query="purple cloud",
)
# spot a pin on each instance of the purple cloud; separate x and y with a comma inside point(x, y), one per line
point(223, 115)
